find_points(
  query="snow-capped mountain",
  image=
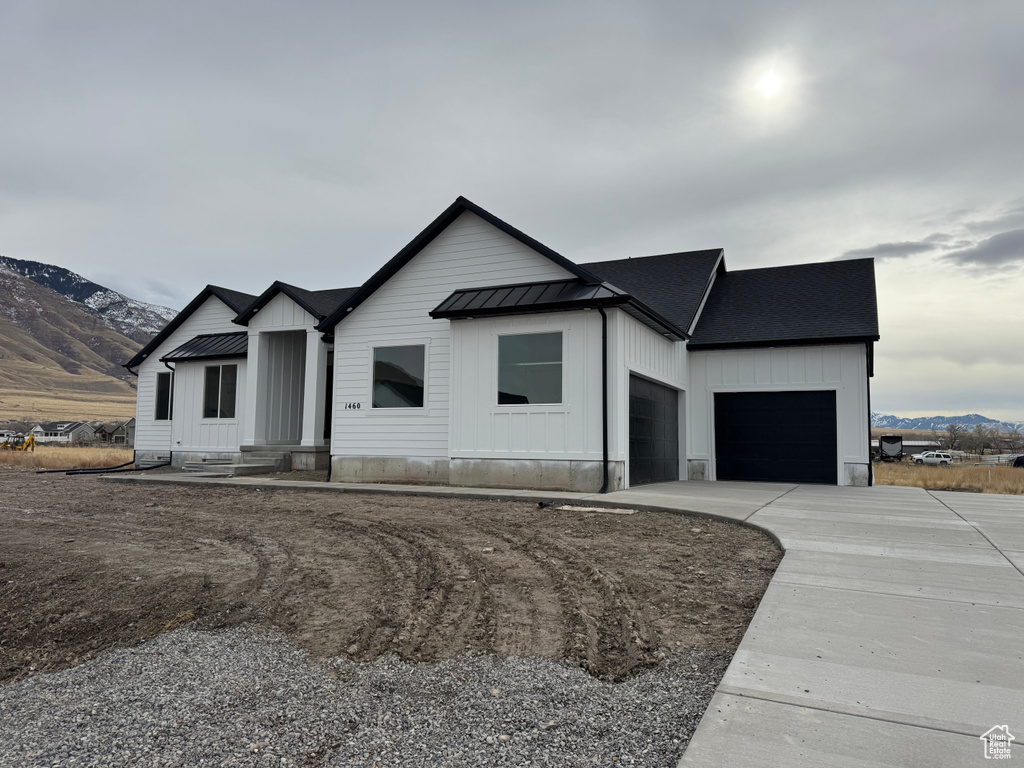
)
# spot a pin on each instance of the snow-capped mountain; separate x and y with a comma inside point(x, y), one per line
point(941, 423)
point(137, 320)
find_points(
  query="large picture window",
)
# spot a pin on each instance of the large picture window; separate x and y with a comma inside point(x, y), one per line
point(398, 377)
point(219, 391)
point(164, 396)
point(530, 369)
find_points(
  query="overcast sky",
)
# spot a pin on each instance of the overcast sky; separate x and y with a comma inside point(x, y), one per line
point(158, 147)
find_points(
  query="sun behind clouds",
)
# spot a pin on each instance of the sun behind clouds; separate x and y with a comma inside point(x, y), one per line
point(770, 92)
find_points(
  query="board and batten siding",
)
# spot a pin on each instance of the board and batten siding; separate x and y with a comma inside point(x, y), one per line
point(842, 368)
point(191, 431)
point(281, 314)
point(468, 253)
point(214, 316)
point(482, 429)
point(279, 369)
point(635, 348)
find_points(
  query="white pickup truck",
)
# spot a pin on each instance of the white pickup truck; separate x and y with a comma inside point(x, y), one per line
point(933, 457)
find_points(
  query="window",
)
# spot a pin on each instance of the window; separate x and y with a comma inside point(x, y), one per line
point(219, 392)
point(164, 396)
point(530, 369)
point(398, 377)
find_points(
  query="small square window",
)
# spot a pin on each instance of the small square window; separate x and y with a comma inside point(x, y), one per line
point(398, 374)
point(530, 369)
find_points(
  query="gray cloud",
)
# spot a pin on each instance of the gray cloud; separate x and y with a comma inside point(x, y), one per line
point(998, 250)
point(891, 250)
point(167, 146)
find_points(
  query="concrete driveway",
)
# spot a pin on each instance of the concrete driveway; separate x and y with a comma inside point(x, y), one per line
point(891, 635)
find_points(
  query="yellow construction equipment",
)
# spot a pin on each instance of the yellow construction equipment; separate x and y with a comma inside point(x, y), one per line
point(19, 443)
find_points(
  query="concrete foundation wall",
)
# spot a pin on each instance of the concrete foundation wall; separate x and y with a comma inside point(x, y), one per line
point(310, 460)
point(696, 469)
point(580, 476)
point(389, 469)
point(857, 474)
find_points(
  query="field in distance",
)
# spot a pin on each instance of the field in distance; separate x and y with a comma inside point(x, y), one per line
point(66, 405)
point(959, 477)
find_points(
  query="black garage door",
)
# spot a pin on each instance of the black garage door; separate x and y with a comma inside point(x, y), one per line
point(776, 436)
point(653, 432)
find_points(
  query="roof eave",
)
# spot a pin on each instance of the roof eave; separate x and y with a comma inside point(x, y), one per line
point(798, 342)
point(528, 309)
point(192, 358)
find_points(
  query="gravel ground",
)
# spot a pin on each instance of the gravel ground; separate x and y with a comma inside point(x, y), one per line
point(247, 697)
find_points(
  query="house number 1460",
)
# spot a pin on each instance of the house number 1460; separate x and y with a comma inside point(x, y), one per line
point(353, 406)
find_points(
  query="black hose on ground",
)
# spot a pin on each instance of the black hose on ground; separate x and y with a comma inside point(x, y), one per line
point(80, 469)
point(111, 470)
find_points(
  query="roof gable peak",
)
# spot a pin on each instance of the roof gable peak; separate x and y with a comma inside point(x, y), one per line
point(427, 236)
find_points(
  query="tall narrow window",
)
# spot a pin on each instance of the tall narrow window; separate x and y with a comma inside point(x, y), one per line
point(398, 377)
point(164, 396)
point(530, 369)
point(219, 391)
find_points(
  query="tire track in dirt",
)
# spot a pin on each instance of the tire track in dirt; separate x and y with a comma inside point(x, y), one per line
point(361, 575)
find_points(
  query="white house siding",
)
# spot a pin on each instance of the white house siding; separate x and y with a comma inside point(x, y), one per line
point(536, 442)
point(469, 253)
point(842, 368)
point(192, 434)
point(635, 348)
point(153, 438)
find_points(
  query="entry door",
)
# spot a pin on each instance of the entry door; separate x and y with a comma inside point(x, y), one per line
point(653, 432)
point(780, 437)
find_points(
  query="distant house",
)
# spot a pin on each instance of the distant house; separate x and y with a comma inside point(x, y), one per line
point(115, 432)
point(479, 356)
point(63, 432)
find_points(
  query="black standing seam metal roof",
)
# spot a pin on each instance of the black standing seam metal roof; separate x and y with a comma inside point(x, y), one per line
point(549, 296)
point(831, 301)
point(235, 300)
point(319, 304)
point(209, 346)
point(424, 238)
point(672, 284)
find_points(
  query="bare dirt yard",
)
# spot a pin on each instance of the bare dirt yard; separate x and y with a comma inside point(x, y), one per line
point(87, 566)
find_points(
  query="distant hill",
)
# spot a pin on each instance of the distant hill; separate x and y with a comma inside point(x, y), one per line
point(63, 340)
point(135, 319)
point(941, 423)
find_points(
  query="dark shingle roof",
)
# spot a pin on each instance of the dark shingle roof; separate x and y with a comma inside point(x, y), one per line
point(319, 304)
point(234, 299)
point(828, 301)
point(209, 346)
point(672, 284)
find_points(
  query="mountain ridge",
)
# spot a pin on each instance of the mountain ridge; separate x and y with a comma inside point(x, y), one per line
point(63, 343)
point(941, 423)
point(135, 319)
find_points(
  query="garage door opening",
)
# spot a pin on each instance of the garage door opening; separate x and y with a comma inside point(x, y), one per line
point(653, 432)
point(777, 437)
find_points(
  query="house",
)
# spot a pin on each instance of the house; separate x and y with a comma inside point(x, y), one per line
point(116, 432)
point(71, 432)
point(479, 356)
